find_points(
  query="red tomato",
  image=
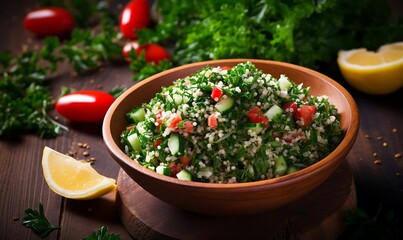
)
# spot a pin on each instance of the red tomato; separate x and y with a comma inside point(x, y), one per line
point(188, 126)
point(135, 15)
point(185, 161)
point(153, 53)
point(158, 142)
point(49, 21)
point(291, 107)
point(305, 113)
point(84, 105)
point(175, 120)
point(128, 47)
point(212, 121)
point(216, 93)
point(175, 168)
point(255, 115)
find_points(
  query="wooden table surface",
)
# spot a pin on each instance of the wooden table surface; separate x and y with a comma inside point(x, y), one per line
point(21, 179)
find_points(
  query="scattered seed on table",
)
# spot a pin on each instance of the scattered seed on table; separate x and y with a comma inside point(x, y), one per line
point(80, 145)
point(92, 159)
point(394, 130)
point(375, 154)
point(367, 136)
point(86, 154)
point(398, 155)
point(385, 144)
point(398, 174)
point(378, 162)
point(379, 138)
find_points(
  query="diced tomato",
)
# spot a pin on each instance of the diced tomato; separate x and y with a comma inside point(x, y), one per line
point(226, 68)
point(212, 121)
point(175, 168)
point(158, 142)
point(188, 126)
point(305, 113)
point(175, 120)
point(216, 93)
point(255, 115)
point(291, 107)
point(185, 161)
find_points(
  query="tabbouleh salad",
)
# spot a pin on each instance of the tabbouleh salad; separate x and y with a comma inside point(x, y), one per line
point(229, 125)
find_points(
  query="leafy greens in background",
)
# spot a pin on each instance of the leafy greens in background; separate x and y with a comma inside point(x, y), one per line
point(305, 32)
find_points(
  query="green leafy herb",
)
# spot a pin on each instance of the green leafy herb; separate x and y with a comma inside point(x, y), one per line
point(37, 221)
point(101, 234)
point(304, 32)
point(25, 100)
point(143, 69)
point(117, 91)
point(361, 225)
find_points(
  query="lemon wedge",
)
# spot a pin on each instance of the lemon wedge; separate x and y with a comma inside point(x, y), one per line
point(379, 72)
point(73, 179)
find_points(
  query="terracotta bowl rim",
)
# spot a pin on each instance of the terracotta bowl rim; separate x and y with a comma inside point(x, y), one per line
point(342, 149)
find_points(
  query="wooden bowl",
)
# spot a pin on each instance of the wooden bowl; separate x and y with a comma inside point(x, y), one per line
point(239, 198)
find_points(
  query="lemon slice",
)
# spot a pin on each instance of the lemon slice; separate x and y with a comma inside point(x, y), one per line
point(379, 72)
point(73, 179)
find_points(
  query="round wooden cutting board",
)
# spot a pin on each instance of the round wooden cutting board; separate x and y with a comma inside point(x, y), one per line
point(316, 216)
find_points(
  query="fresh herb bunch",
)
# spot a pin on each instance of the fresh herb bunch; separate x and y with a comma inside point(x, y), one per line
point(360, 225)
point(37, 220)
point(25, 99)
point(102, 234)
point(306, 32)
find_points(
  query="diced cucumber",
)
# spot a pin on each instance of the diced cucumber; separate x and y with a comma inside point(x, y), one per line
point(178, 99)
point(176, 144)
point(275, 144)
point(225, 104)
point(280, 166)
point(205, 172)
point(284, 83)
point(274, 112)
point(256, 127)
point(164, 170)
point(134, 142)
point(184, 175)
point(292, 169)
point(137, 114)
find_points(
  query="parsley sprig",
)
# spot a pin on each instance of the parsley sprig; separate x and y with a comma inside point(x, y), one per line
point(102, 234)
point(37, 221)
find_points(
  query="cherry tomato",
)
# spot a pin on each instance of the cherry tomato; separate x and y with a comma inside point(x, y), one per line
point(49, 21)
point(153, 53)
point(128, 47)
point(84, 105)
point(305, 113)
point(255, 115)
point(135, 15)
point(216, 93)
